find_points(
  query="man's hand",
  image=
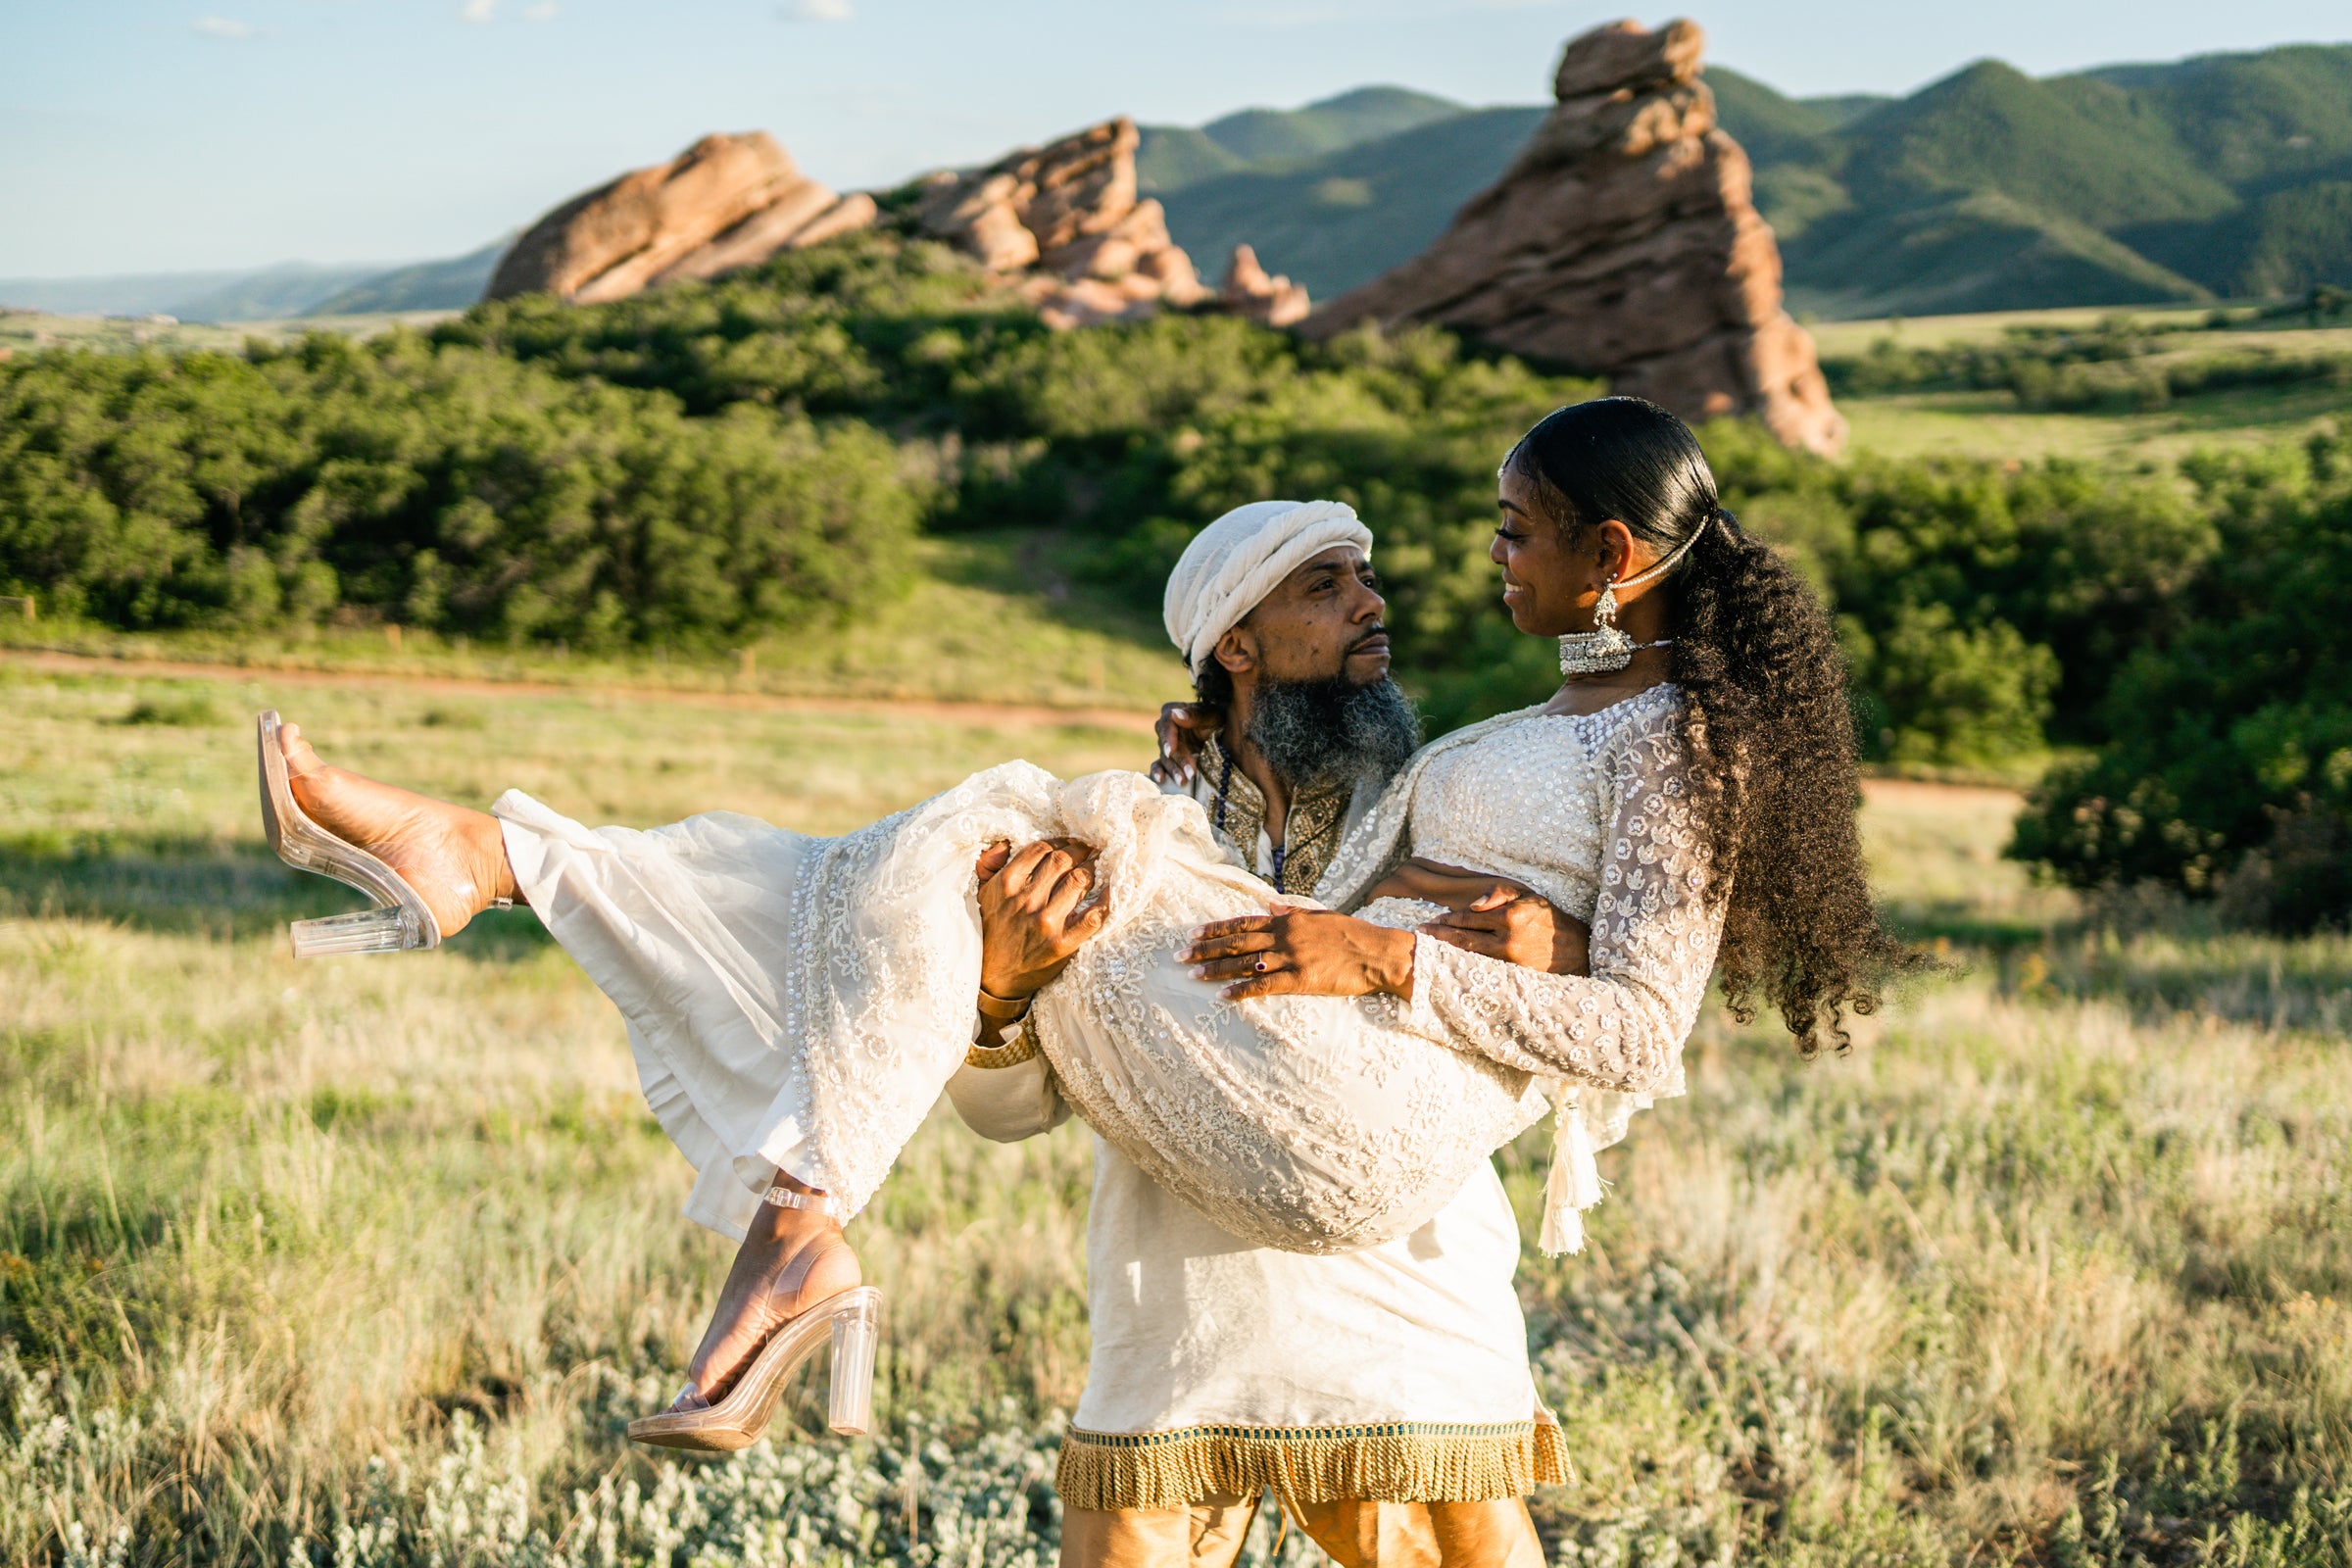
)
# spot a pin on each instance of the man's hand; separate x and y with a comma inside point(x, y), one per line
point(1031, 924)
point(1292, 952)
point(1181, 729)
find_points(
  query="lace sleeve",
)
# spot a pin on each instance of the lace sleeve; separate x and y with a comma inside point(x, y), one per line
point(1654, 933)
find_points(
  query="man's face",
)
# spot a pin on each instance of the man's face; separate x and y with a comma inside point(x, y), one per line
point(1321, 623)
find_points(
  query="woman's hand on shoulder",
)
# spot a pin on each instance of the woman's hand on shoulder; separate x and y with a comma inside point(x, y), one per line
point(1518, 927)
point(1290, 952)
point(1181, 728)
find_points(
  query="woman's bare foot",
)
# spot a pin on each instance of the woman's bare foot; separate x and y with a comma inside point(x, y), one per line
point(456, 858)
point(791, 1260)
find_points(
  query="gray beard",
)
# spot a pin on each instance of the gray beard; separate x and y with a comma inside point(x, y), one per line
point(1322, 733)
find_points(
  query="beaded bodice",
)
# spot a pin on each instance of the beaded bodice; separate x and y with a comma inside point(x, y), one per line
point(1523, 803)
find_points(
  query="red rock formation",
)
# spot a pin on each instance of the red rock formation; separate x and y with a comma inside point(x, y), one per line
point(1623, 241)
point(1066, 214)
point(1249, 292)
point(1061, 222)
point(725, 203)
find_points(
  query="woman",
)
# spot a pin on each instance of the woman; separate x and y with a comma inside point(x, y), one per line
point(1692, 780)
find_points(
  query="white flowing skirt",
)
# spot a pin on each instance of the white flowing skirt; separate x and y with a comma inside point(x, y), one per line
point(804, 1001)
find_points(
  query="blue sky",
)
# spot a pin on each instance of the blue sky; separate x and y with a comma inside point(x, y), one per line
point(147, 135)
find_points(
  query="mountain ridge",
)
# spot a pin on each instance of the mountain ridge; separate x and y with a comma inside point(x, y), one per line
point(2218, 176)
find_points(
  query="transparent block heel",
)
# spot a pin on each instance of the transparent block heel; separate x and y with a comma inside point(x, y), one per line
point(850, 1405)
point(401, 921)
point(850, 1323)
point(368, 931)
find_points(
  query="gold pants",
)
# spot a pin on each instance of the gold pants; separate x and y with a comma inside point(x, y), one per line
point(1358, 1534)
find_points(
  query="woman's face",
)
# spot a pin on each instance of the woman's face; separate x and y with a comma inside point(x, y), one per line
point(1548, 587)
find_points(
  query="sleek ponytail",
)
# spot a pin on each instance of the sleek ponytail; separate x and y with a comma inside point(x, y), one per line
point(1765, 719)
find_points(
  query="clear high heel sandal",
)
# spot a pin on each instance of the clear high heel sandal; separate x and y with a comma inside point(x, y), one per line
point(852, 1321)
point(400, 921)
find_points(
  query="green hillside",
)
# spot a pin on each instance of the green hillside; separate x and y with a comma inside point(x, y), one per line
point(1172, 157)
point(1335, 221)
point(1841, 108)
point(2075, 146)
point(1269, 135)
point(1175, 156)
point(1772, 127)
point(1343, 217)
point(2281, 116)
point(450, 285)
point(2219, 177)
point(286, 292)
point(1951, 253)
point(1992, 190)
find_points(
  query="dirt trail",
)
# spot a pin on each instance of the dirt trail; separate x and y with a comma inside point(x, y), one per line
point(1924, 792)
point(1010, 714)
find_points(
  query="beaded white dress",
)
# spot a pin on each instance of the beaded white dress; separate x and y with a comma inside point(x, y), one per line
point(799, 1003)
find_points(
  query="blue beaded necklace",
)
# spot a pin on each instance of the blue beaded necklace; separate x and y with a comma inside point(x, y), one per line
point(1225, 788)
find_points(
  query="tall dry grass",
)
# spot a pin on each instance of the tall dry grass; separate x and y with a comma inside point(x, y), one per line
point(368, 1261)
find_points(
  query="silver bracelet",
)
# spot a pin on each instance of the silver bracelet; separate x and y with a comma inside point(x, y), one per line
point(823, 1202)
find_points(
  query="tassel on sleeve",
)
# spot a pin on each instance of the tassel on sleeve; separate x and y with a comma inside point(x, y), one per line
point(1575, 1183)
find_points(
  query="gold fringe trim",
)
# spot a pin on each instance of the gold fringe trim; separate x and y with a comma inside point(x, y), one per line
point(1391, 1461)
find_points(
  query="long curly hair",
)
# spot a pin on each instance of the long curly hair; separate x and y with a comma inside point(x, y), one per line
point(1766, 721)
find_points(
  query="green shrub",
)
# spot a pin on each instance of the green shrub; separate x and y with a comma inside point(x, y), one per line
point(438, 485)
point(183, 707)
point(2229, 754)
point(1984, 608)
point(2106, 368)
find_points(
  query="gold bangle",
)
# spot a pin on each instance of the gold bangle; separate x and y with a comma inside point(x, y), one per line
point(1012, 1008)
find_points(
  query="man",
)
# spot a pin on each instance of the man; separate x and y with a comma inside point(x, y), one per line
point(1384, 1394)
point(1311, 728)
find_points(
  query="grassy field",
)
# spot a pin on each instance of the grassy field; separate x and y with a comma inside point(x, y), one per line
point(24, 331)
point(367, 1261)
point(1991, 423)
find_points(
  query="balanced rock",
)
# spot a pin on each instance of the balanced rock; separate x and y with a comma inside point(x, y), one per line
point(723, 203)
point(1066, 214)
point(1623, 242)
point(1272, 301)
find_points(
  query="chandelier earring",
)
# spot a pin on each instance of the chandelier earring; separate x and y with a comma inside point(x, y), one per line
point(1604, 649)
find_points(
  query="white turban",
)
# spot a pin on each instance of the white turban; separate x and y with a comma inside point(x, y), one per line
point(1234, 562)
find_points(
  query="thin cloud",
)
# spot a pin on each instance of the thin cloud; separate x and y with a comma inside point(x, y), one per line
point(479, 12)
point(818, 11)
point(544, 11)
point(223, 28)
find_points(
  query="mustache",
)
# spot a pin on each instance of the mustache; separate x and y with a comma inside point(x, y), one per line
point(1376, 631)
